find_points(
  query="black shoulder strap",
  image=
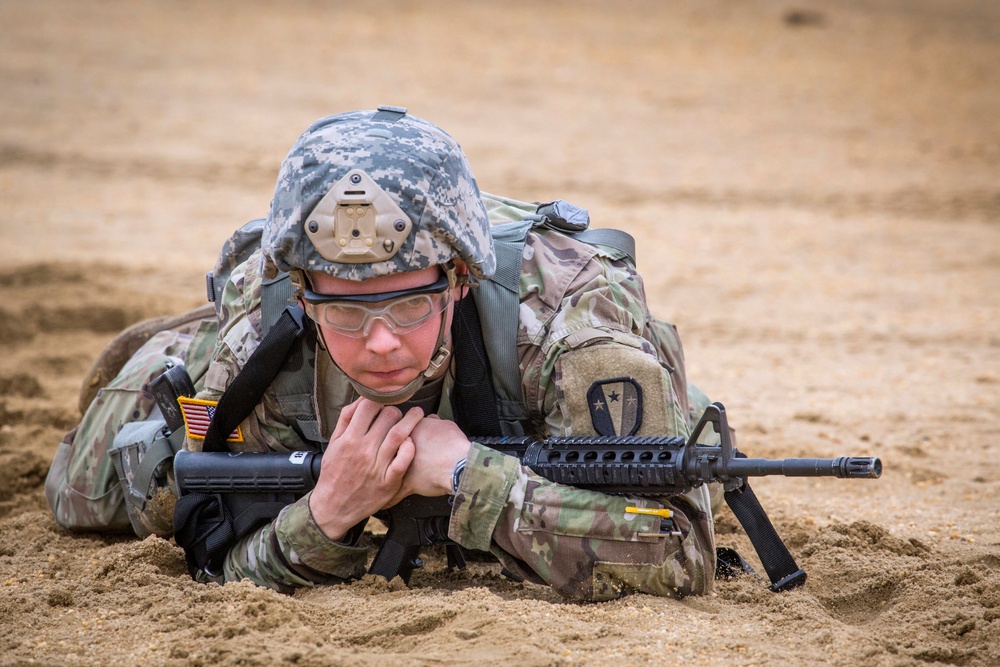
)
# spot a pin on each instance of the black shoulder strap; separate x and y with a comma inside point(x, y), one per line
point(204, 526)
point(473, 399)
point(246, 390)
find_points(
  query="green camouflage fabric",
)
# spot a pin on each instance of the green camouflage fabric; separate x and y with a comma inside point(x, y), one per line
point(419, 165)
point(574, 297)
point(240, 332)
point(82, 487)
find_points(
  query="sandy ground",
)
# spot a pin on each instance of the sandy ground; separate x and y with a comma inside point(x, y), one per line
point(814, 191)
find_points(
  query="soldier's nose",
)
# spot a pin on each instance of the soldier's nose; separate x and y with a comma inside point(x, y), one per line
point(380, 338)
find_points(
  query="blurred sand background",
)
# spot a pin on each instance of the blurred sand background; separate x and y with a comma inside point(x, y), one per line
point(814, 190)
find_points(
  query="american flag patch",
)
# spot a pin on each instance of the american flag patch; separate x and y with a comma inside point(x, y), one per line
point(198, 415)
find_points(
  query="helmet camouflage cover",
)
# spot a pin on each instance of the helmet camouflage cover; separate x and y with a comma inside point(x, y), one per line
point(372, 193)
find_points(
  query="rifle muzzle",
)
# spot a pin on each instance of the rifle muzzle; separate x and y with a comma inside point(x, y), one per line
point(851, 467)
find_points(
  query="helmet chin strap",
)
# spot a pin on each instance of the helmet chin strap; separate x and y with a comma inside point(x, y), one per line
point(437, 362)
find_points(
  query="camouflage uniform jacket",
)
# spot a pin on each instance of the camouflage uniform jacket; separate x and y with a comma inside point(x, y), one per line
point(582, 318)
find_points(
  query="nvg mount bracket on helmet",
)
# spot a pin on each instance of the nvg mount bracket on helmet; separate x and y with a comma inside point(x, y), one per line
point(357, 222)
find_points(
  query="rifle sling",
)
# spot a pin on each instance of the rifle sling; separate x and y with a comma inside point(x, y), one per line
point(774, 555)
point(260, 370)
point(203, 525)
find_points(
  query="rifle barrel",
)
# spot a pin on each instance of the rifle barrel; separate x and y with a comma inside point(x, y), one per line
point(852, 467)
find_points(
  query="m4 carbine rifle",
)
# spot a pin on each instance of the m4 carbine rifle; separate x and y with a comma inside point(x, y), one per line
point(253, 487)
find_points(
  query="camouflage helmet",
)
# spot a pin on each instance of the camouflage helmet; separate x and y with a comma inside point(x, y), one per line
point(371, 193)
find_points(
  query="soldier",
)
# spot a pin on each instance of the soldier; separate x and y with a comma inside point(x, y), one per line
point(380, 224)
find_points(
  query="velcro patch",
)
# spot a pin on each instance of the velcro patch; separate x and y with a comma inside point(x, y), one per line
point(198, 414)
point(615, 406)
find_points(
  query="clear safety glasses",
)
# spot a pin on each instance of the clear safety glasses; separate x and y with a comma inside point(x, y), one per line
point(402, 312)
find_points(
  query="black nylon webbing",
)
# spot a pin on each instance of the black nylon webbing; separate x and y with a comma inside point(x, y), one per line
point(473, 400)
point(204, 529)
point(781, 568)
point(246, 390)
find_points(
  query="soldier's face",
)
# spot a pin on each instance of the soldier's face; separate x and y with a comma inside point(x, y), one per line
point(382, 360)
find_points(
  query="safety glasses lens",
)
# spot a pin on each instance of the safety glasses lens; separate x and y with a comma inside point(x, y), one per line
point(401, 315)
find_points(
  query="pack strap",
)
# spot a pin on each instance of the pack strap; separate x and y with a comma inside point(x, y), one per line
point(497, 302)
point(473, 399)
point(292, 389)
point(275, 295)
point(613, 238)
point(246, 390)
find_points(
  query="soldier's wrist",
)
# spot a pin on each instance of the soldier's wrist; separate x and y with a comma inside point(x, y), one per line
point(333, 524)
point(456, 475)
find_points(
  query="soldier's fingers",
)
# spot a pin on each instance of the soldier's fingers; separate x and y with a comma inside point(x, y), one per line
point(395, 435)
point(400, 463)
point(390, 419)
point(345, 418)
point(370, 420)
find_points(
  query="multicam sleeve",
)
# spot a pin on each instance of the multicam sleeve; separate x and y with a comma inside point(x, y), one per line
point(583, 543)
point(292, 551)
